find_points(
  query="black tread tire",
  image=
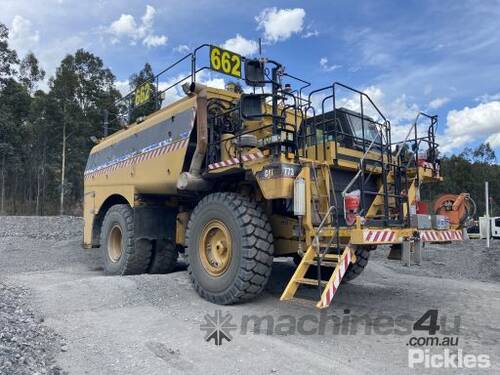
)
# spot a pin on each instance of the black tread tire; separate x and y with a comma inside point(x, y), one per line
point(355, 269)
point(252, 260)
point(136, 255)
point(164, 257)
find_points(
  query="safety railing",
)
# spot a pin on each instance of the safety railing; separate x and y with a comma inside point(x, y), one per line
point(148, 95)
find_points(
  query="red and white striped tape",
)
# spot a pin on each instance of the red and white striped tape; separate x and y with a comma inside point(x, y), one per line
point(333, 285)
point(234, 161)
point(379, 236)
point(447, 235)
point(139, 158)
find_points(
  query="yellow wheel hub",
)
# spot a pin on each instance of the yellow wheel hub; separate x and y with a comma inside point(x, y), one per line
point(115, 244)
point(215, 247)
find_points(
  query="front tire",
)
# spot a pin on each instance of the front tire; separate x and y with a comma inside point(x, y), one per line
point(229, 248)
point(355, 269)
point(122, 254)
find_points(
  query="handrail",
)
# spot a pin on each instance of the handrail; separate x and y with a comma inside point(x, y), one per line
point(356, 176)
point(406, 138)
point(321, 225)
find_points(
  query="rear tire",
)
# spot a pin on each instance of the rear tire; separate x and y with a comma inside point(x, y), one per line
point(229, 248)
point(122, 254)
point(355, 269)
point(164, 257)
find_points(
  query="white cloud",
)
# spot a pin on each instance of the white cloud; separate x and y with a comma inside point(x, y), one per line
point(478, 123)
point(182, 48)
point(323, 62)
point(155, 40)
point(206, 77)
point(280, 24)
point(488, 98)
point(310, 34)
point(127, 27)
point(241, 45)
point(175, 93)
point(148, 17)
point(22, 35)
point(494, 140)
point(438, 102)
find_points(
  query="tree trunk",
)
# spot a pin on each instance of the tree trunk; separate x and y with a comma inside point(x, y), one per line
point(2, 212)
point(63, 167)
point(37, 198)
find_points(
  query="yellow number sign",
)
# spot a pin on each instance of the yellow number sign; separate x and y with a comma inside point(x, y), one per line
point(225, 61)
point(142, 94)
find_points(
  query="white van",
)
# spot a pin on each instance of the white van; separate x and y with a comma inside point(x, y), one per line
point(494, 227)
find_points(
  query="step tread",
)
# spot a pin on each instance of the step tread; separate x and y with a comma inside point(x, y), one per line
point(323, 263)
point(312, 282)
point(330, 256)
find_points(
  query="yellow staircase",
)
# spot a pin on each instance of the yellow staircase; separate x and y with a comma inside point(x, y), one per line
point(311, 258)
point(320, 237)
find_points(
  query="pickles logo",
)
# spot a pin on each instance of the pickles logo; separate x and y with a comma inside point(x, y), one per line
point(218, 327)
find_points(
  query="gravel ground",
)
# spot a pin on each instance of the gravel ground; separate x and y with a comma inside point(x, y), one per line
point(67, 316)
point(26, 345)
point(55, 228)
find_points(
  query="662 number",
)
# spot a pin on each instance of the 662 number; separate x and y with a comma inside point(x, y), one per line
point(224, 61)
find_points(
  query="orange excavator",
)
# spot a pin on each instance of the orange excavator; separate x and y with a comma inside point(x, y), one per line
point(458, 208)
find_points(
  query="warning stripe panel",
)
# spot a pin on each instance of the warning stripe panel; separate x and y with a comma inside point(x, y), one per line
point(333, 285)
point(439, 236)
point(379, 235)
point(234, 161)
point(151, 154)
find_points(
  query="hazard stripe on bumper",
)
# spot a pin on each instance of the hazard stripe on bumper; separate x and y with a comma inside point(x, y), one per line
point(441, 235)
point(379, 236)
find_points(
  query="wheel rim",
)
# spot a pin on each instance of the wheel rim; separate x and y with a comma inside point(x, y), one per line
point(215, 248)
point(115, 243)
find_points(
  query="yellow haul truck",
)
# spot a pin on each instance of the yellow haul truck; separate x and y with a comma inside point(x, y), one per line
point(232, 180)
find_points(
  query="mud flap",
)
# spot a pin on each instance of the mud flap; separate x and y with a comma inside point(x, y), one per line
point(154, 223)
point(395, 252)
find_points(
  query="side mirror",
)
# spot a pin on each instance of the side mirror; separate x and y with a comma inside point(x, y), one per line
point(254, 73)
point(251, 106)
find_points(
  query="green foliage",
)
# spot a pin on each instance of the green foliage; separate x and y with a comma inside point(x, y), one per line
point(8, 57)
point(32, 124)
point(30, 72)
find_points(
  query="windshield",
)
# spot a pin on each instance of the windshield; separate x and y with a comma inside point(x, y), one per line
point(371, 130)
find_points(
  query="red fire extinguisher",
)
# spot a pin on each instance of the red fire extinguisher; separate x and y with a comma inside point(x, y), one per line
point(351, 206)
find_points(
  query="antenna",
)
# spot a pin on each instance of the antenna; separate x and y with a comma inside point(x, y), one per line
point(260, 47)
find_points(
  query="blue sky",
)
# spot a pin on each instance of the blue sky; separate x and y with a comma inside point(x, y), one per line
point(442, 57)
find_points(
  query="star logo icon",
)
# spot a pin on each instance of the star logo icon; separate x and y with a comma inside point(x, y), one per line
point(218, 327)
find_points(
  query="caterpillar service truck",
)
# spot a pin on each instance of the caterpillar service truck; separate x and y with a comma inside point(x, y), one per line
point(233, 179)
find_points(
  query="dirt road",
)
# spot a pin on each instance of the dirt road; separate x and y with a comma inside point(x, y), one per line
point(151, 324)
